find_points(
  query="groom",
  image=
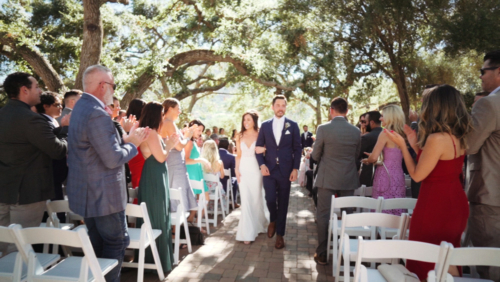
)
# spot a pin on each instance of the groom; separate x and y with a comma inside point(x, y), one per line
point(279, 166)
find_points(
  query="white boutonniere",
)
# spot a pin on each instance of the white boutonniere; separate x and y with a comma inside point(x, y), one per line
point(287, 125)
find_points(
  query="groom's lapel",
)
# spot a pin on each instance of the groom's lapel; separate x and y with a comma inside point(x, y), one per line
point(283, 130)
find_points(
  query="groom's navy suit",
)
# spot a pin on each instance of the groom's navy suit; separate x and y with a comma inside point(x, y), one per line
point(280, 159)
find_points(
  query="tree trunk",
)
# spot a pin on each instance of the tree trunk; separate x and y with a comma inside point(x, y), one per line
point(400, 80)
point(92, 38)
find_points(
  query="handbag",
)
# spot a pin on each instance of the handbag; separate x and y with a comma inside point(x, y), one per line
point(380, 162)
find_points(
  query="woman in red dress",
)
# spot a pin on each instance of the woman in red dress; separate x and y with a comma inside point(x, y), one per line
point(136, 163)
point(442, 209)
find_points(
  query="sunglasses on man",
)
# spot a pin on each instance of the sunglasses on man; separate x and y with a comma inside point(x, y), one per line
point(485, 69)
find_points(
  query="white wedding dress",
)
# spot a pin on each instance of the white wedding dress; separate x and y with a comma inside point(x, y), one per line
point(253, 210)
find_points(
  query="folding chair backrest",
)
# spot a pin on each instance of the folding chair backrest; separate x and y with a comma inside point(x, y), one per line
point(175, 194)
point(357, 202)
point(360, 191)
point(7, 235)
point(471, 257)
point(399, 203)
point(57, 206)
point(227, 172)
point(401, 249)
point(211, 177)
point(373, 219)
point(196, 184)
point(75, 239)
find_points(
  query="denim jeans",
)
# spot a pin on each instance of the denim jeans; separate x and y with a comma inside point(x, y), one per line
point(109, 237)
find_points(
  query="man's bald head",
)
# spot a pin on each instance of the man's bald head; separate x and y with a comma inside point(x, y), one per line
point(94, 75)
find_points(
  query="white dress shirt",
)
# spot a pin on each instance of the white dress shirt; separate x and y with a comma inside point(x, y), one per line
point(278, 124)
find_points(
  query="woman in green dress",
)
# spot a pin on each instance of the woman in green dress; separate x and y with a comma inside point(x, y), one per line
point(153, 186)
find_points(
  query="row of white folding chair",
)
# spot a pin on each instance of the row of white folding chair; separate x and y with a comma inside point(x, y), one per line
point(468, 257)
point(14, 266)
point(53, 208)
point(364, 191)
point(348, 249)
point(377, 205)
point(202, 203)
point(335, 224)
point(140, 239)
point(216, 197)
point(179, 218)
point(69, 269)
point(229, 190)
point(393, 250)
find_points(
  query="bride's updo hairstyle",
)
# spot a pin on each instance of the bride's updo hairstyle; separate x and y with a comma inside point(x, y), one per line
point(255, 118)
point(443, 110)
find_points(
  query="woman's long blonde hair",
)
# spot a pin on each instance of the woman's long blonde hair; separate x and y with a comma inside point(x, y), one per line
point(210, 152)
point(394, 119)
point(443, 110)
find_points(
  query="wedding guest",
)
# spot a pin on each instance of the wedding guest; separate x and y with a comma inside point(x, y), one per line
point(368, 142)
point(389, 179)
point(70, 99)
point(208, 132)
point(215, 137)
point(121, 114)
point(336, 149)
point(136, 163)
point(229, 161)
point(222, 132)
point(442, 208)
point(362, 124)
point(176, 161)
point(50, 108)
point(210, 152)
point(233, 135)
point(215, 130)
point(231, 148)
point(193, 160)
point(304, 166)
point(154, 186)
point(199, 143)
point(484, 153)
point(96, 180)
point(306, 138)
point(27, 147)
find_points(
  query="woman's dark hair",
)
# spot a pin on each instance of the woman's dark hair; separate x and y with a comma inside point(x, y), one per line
point(255, 117)
point(193, 122)
point(170, 103)
point(443, 110)
point(13, 83)
point(233, 134)
point(220, 130)
point(151, 116)
point(135, 108)
point(47, 98)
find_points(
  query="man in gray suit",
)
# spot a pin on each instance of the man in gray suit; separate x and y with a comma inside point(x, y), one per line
point(70, 99)
point(336, 149)
point(484, 162)
point(96, 179)
point(27, 147)
point(368, 142)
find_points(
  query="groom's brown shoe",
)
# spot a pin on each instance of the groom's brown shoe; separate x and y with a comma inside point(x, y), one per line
point(271, 229)
point(280, 243)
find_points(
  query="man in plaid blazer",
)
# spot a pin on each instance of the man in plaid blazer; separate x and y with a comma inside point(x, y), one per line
point(96, 179)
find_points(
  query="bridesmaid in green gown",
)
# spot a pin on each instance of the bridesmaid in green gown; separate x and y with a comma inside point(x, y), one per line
point(153, 186)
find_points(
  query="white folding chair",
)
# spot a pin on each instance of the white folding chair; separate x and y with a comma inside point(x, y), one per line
point(140, 239)
point(70, 269)
point(179, 218)
point(369, 191)
point(216, 197)
point(54, 207)
point(202, 203)
point(348, 248)
point(14, 266)
point(360, 191)
point(229, 190)
point(395, 250)
point(469, 257)
point(393, 204)
point(335, 224)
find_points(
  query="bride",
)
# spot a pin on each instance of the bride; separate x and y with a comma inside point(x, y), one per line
point(253, 220)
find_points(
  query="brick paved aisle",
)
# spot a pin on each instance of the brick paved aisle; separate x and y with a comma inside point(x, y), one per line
point(222, 258)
